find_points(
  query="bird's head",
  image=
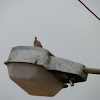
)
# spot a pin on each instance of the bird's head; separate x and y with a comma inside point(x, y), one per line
point(35, 38)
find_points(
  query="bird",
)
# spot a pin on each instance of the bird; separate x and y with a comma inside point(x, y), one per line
point(37, 43)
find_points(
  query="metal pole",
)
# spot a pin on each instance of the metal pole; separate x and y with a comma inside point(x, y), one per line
point(92, 70)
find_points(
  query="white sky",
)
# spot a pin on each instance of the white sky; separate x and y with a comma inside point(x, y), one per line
point(65, 27)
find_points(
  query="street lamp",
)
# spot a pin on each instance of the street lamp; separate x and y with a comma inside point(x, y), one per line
point(40, 73)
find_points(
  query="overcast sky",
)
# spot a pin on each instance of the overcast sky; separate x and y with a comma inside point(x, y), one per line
point(64, 27)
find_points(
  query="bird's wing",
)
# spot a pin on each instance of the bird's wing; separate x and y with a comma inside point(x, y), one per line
point(40, 44)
